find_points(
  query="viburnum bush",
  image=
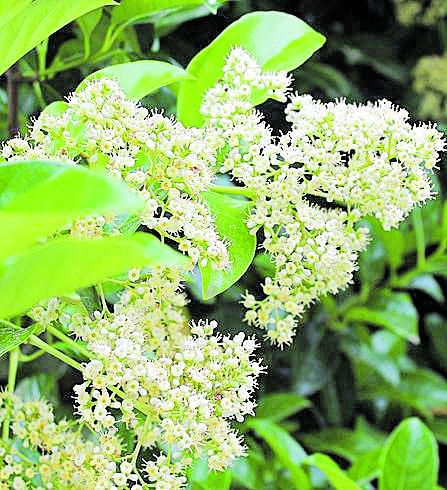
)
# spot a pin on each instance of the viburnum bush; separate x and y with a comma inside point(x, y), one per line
point(214, 185)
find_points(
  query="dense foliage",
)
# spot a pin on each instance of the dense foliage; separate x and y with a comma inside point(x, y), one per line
point(180, 245)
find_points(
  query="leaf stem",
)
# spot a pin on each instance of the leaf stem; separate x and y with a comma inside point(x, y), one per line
point(38, 342)
point(235, 190)
point(420, 237)
point(13, 100)
point(139, 443)
point(12, 375)
point(69, 341)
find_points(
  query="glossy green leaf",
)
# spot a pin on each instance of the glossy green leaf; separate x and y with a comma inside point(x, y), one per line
point(336, 476)
point(140, 78)
point(201, 478)
point(56, 108)
point(171, 20)
point(88, 22)
point(394, 311)
point(10, 337)
point(34, 21)
point(277, 40)
point(429, 285)
point(288, 451)
point(63, 265)
point(361, 353)
point(38, 198)
point(366, 467)
point(135, 11)
point(410, 458)
point(230, 216)
point(421, 389)
point(350, 444)
point(279, 406)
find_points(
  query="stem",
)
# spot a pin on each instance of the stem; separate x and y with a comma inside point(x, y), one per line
point(37, 342)
point(139, 443)
point(240, 191)
point(420, 237)
point(12, 375)
point(38, 353)
point(67, 340)
point(39, 95)
point(13, 100)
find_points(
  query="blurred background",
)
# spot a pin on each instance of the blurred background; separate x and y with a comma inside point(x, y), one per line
point(362, 361)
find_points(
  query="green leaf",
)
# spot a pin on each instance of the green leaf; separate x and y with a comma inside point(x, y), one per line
point(264, 265)
point(394, 311)
point(336, 476)
point(33, 22)
point(288, 451)
point(230, 216)
point(279, 406)
point(63, 265)
point(421, 389)
point(439, 428)
point(350, 444)
point(436, 328)
point(361, 353)
point(88, 22)
point(429, 285)
point(140, 78)
point(10, 337)
point(277, 40)
point(366, 467)
point(135, 11)
point(38, 198)
point(410, 458)
point(201, 478)
point(56, 108)
point(37, 387)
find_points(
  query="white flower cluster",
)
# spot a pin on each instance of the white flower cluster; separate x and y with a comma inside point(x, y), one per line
point(430, 83)
point(55, 455)
point(366, 158)
point(188, 382)
point(425, 12)
point(169, 165)
point(188, 395)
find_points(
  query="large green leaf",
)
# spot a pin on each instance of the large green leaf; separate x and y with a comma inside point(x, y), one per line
point(32, 22)
point(288, 451)
point(410, 458)
point(277, 40)
point(279, 406)
point(336, 476)
point(63, 265)
point(350, 444)
point(230, 216)
point(10, 337)
point(140, 78)
point(38, 198)
point(421, 389)
point(394, 311)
